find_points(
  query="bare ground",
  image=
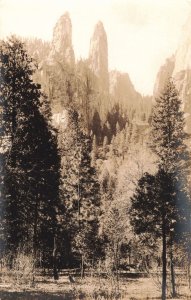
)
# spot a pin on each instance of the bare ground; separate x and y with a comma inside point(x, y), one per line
point(88, 289)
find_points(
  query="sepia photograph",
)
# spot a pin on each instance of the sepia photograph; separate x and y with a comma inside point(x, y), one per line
point(95, 149)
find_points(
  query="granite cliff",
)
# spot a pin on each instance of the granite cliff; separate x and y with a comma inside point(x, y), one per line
point(88, 82)
point(179, 67)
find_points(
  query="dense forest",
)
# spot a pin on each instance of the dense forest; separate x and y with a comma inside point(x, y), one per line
point(88, 181)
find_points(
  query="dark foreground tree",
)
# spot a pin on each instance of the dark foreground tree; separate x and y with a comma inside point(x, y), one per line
point(160, 202)
point(157, 211)
point(167, 141)
point(31, 173)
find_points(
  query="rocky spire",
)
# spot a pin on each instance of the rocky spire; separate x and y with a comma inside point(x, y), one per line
point(98, 55)
point(62, 48)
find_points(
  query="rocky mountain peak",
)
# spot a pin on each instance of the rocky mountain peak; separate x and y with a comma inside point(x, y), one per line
point(122, 90)
point(98, 55)
point(99, 28)
point(62, 47)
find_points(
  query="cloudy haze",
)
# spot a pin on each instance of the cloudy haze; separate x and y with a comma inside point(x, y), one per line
point(141, 33)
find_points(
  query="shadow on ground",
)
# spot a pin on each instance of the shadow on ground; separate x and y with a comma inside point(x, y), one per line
point(4, 295)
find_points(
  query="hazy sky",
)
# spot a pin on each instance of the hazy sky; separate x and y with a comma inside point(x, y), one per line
point(141, 33)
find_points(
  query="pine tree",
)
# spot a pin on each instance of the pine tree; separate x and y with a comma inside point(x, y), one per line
point(80, 188)
point(167, 134)
point(167, 141)
point(156, 213)
point(31, 177)
point(86, 240)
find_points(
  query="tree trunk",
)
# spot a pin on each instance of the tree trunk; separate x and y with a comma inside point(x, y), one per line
point(55, 271)
point(172, 273)
point(35, 238)
point(116, 260)
point(164, 262)
point(129, 255)
point(117, 267)
point(82, 267)
point(188, 269)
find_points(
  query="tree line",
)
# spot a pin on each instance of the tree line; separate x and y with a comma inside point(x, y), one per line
point(48, 184)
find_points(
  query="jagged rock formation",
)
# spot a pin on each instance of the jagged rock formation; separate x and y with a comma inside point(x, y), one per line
point(114, 88)
point(62, 48)
point(179, 67)
point(98, 64)
point(124, 95)
point(122, 90)
point(98, 56)
point(88, 82)
point(56, 68)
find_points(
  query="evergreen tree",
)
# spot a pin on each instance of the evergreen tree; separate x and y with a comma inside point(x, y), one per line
point(156, 213)
point(80, 188)
point(31, 176)
point(96, 126)
point(86, 240)
point(167, 134)
point(16, 71)
point(167, 141)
